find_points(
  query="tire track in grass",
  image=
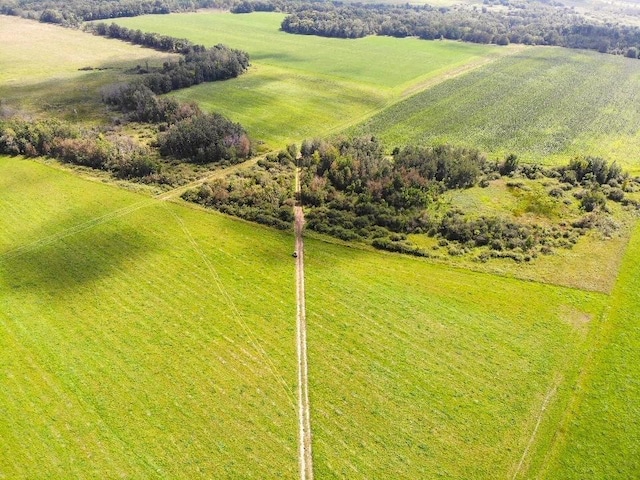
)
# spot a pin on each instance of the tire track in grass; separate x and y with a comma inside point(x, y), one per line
point(234, 309)
point(121, 212)
point(304, 414)
point(547, 399)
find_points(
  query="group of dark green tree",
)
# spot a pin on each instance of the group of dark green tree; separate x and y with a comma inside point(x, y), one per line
point(191, 136)
point(531, 22)
point(524, 22)
point(352, 191)
point(185, 132)
point(197, 64)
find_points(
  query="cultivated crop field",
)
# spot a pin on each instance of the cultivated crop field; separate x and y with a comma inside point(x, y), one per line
point(40, 68)
point(545, 105)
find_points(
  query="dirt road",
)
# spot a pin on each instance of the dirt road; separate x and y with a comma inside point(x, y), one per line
point(304, 414)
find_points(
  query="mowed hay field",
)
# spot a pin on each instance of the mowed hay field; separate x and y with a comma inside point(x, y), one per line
point(40, 68)
point(422, 371)
point(543, 104)
point(600, 435)
point(140, 339)
point(302, 86)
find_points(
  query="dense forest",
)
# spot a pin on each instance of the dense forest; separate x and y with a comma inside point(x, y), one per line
point(530, 23)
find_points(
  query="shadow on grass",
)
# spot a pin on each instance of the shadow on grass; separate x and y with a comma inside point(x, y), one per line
point(71, 93)
point(69, 262)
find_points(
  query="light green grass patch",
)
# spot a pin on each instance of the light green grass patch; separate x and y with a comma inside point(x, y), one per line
point(422, 371)
point(382, 61)
point(599, 436)
point(152, 341)
point(305, 86)
point(278, 107)
point(39, 67)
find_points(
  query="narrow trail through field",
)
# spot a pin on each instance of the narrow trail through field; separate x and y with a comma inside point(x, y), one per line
point(545, 403)
point(304, 413)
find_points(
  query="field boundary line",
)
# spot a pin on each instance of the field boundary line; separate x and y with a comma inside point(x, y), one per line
point(421, 86)
point(304, 411)
point(547, 399)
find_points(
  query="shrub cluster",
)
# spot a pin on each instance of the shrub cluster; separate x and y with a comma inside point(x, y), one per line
point(205, 138)
point(142, 105)
point(352, 191)
point(357, 193)
point(262, 194)
point(119, 155)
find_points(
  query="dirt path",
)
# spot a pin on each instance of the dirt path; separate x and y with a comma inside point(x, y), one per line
point(304, 414)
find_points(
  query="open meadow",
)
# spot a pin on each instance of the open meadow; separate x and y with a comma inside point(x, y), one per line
point(144, 338)
point(428, 372)
point(139, 338)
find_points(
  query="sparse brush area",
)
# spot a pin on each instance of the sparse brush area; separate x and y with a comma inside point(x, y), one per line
point(262, 193)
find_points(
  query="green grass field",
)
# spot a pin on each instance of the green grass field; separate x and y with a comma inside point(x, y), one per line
point(305, 86)
point(154, 341)
point(599, 435)
point(544, 104)
point(146, 339)
point(39, 68)
point(429, 372)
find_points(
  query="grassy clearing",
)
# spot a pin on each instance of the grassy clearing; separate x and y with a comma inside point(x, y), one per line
point(599, 436)
point(428, 371)
point(544, 104)
point(591, 264)
point(278, 107)
point(303, 86)
point(39, 67)
point(159, 343)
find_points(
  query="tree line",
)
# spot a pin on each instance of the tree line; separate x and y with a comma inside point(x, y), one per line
point(73, 12)
point(111, 152)
point(530, 23)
